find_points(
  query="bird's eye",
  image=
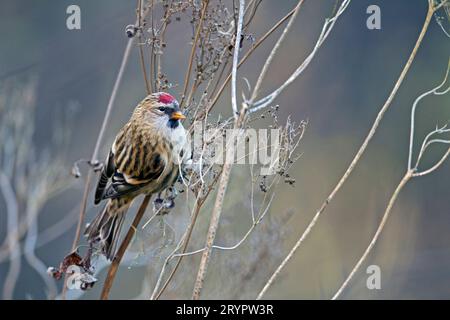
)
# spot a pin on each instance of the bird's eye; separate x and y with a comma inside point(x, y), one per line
point(162, 109)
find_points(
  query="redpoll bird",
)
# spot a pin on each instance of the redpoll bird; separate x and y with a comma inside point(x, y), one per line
point(143, 160)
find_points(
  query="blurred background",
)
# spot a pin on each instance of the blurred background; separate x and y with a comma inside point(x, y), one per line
point(54, 87)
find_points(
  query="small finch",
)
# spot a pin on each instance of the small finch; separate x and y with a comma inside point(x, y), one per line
point(143, 160)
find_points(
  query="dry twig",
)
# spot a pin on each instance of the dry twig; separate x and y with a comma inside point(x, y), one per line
point(373, 129)
point(411, 172)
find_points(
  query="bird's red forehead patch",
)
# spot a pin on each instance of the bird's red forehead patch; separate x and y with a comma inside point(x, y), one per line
point(166, 98)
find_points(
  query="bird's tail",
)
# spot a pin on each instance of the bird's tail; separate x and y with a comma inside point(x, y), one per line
point(106, 226)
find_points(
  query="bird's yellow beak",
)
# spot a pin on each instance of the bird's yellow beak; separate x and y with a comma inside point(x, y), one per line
point(177, 115)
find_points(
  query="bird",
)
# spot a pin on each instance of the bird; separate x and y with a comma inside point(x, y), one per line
point(143, 159)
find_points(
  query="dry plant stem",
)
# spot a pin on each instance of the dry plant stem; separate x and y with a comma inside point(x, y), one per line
point(112, 99)
point(153, 54)
point(225, 177)
point(358, 155)
point(30, 255)
point(403, 182)
point(22, 229)
point(198, 205)
point(162, 39)
point(234, 104)
point(196, 210)
point(410, 173)
point(94, 157)
point(217, 210)
point(434, 91)
point(148, 85)
point(274, 51)
point(194, 45)
point(12, 212)
point(112, 271)
point(255, 222)
point(247, 55)
point(438, 164)
point(325, 32)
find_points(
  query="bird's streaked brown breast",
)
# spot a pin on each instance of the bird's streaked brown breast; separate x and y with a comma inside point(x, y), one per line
point(144, 156)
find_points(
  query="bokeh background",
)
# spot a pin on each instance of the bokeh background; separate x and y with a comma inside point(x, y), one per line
point(340, 93)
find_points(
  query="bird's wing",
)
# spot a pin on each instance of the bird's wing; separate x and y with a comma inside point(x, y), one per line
point(107, 172)
point(131, 181)
point(120, 187)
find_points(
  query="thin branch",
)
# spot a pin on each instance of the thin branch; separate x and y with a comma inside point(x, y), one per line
point(358, 155)
point(12, 213)
point(274, 51)
point(427, 142)
point(182, 244)
point(247, 55)
point(326, 30)
point(217, 210)
point(152, 51)
point(237, 45)
point(50, 233)
point(250, 230)
point(162, 33)
point(109, 108)
point(30, 255)
point(255, 222)
point(112, 271)
point(185, 241)
point(57, 229)
point(410, 173)
point(439, 6)
point(394, 196)
point(148, 85)
point(434, 91)
point(194, 46)
point(23, 224)
point(94, 157)
point(224, 179)
point(408, 176)
point(433, 168)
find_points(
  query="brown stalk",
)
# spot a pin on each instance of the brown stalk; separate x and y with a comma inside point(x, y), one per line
point(148, 85)
point(94, 156)
point(239, 118)
point(403, 182)
point(162, 39)
point(112, 271)
point(194, 45)
point(358, 155)
point(246, 56)
point(196, 211)
point(152, 49)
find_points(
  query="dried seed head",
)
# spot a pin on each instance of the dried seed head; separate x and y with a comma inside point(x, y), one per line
point(131, 30)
